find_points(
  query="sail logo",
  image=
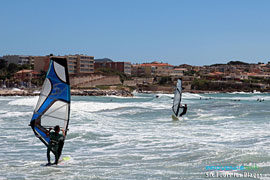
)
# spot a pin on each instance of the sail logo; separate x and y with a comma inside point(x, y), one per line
point(233, 175)
point(231, 168)
point(57, 89)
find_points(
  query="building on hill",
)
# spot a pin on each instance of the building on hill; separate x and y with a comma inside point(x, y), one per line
point(178, 72)
point(103, 60)
point(153, 69)
point(139, 70)
point(124, 67)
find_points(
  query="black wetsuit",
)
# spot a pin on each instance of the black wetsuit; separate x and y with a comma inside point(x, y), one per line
point(55, 145)
point(184, 111)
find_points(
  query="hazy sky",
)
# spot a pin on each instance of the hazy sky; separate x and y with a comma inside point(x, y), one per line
point(196, 32)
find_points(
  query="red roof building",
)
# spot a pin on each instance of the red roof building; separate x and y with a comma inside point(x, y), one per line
point(26, 75)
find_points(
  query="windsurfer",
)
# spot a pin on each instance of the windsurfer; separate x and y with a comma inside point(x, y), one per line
point(56, 143)
point(184, 110)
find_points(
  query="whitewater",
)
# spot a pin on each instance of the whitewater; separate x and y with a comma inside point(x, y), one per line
point(135, 138)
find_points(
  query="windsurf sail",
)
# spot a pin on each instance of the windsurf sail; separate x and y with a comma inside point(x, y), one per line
point(53, 106)
point(177, 98)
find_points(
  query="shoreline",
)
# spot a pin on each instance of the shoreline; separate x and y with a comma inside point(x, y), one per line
point(123, 93)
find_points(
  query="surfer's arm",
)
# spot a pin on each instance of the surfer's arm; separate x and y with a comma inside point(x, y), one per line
point(64, 133)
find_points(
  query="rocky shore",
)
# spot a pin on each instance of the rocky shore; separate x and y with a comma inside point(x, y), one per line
point(123, 93)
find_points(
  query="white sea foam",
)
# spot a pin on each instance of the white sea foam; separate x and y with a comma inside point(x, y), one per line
point(123, 97)
point(165, 95)
point(192, 96)
point(241, 92)
point(3, 112)
point(101, 106)
point(24, 101)
point(14, 114)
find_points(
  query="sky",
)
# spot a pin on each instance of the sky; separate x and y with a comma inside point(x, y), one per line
point(195, 32)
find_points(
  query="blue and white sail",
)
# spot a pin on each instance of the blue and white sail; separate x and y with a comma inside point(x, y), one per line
point(53, 106)
point(177, 98)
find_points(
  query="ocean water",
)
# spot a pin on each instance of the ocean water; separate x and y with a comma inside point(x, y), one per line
point(135, 138)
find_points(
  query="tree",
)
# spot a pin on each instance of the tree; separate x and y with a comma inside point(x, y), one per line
point(24, 66)
point(237, 63)
point(12, 67)
point(3, 64)
point(200, 84)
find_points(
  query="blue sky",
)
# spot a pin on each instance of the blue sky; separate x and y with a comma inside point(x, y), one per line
point(196, 32)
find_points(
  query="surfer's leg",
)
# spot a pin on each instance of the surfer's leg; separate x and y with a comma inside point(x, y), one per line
point(48, 155)
point(56, 155)
point(60, 147)
point(182, 114)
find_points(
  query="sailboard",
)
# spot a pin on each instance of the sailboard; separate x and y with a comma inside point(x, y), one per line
point(53, 106)
point(177, 100)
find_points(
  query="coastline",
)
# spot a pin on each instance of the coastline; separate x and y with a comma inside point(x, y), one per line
point(98, 92)
point(73, 92)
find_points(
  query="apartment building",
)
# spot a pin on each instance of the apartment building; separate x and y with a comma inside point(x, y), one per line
point(19, 59)
point(80, 64)
point(77, 64)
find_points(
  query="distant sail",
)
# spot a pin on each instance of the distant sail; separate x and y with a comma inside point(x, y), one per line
point(53, 106)
point(177, 98)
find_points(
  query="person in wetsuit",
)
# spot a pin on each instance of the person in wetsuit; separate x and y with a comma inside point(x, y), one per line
point(184, 110)
point(56, 144)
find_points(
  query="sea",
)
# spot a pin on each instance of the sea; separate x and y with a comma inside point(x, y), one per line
point(222, 136)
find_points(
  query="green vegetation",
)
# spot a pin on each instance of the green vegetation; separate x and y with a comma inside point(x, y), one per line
point(200, 84)
point(250, 81)
point(7, 72)
point(237, 63)
point(218, 64)
point(189, 73)
point(3, 64)
point(3, 69)
point(231, 63)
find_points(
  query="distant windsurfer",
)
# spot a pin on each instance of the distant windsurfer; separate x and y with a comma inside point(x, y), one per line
point(184, 110)
point(56, 144)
